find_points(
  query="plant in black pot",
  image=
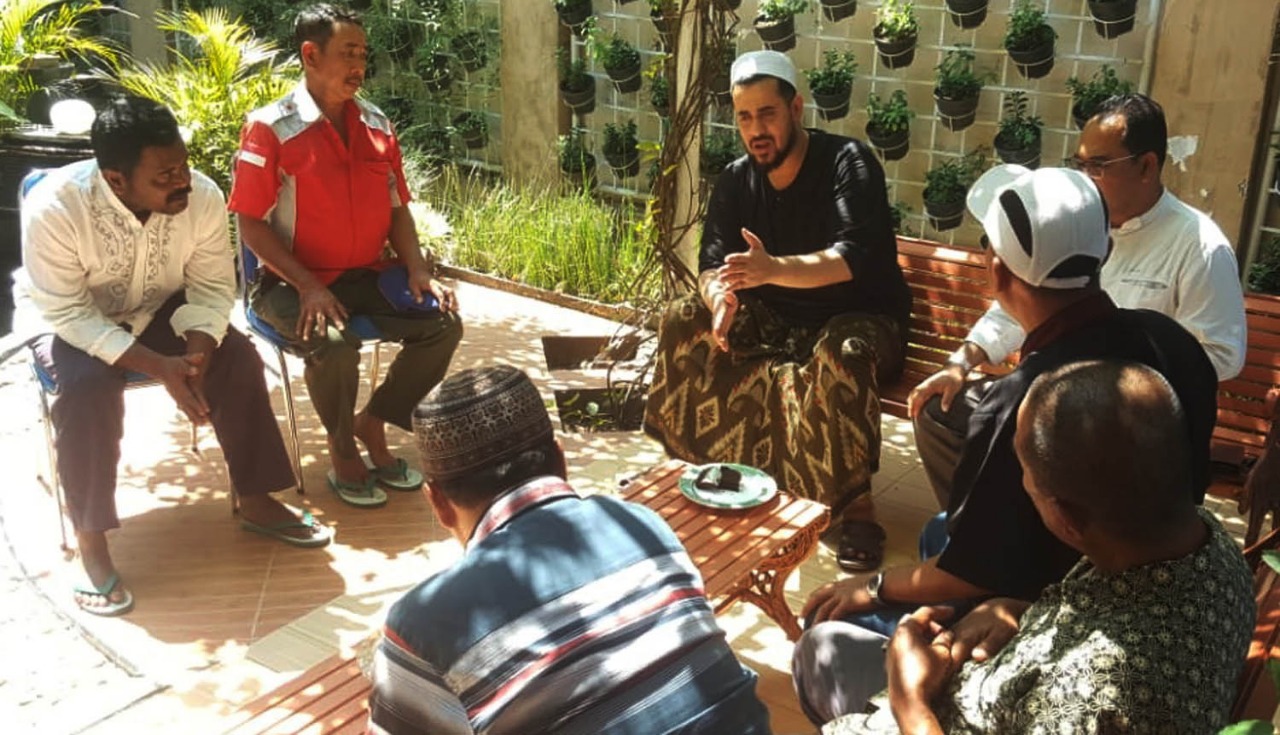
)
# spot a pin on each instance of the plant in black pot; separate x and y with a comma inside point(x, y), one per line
point(659, 88)
point(577, 87)
point(967, 14)
point(722, 55)
point(895, 33)
point(720, 148)
point(577, 162)
point(472, 49)
point(1264, 273)
point(433, 65)
point(391, 34)
point(898, 212)
point(1029, 40)
point(573, 13)
point(1088, 96)
point(1113, 18)
point(832, 82)
point(473, 128)
point(1018, 140)
point(958, 89)
point(889, 124)
point(837, 10)
point(622, 149)
point(621, 60)
point(945, 187)
point(663, 13)
point(776, 23)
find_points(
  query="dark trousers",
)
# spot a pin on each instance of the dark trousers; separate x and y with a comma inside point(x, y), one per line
point(940, 436)
point(88, 418)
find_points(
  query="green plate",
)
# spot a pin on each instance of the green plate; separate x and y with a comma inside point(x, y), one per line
point(756, 488)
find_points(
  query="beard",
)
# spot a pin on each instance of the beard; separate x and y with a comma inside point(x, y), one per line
point(782, 149)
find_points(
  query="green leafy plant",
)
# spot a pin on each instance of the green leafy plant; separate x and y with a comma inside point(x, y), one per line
point(1264, 273)
point(470, 122)
point(835, 76)
point(219, 73)
point(720, 148)
point(613, 52)
point(270, 20)
point(472, 48)
point(620, 141)
point(660, 92)
point(949, 181)
point(31, 29)
point(1028, 27)
point(896, 20)
point(575, 152)
point(776, 10)
point(956, 78)
point(392, 33)
point(1018, 127)
point(888, 117)
point(432, 64)
point(898, 212)
point(1087, 96)
point(573, 72)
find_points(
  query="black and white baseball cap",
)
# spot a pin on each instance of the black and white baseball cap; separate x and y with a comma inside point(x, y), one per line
point(1049, 226)
point(763, 63)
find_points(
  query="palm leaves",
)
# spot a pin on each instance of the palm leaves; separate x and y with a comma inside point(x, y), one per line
point(33, 27)
point(220, 72)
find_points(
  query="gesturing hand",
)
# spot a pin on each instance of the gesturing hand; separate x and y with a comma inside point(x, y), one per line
point(724, 307)
point(750, 269)
point(317, 308)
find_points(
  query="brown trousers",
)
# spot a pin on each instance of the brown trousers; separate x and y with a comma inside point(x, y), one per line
point(88, 418)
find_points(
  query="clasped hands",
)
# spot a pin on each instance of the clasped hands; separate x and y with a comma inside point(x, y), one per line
point(753, 268)
point(924, 652)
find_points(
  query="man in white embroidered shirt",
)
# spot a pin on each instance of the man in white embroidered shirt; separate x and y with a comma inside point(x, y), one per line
point(127, 263)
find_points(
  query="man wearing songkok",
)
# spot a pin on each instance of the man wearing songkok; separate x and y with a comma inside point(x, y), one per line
point(1168, 257)
point(127, 268)
point(1146, 634)
point(1046, 238)
point(566, 614)
point(800, 315)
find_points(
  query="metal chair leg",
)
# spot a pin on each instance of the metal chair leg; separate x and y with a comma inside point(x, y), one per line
point(375, 365)
point(54, 482)
point(291, 417)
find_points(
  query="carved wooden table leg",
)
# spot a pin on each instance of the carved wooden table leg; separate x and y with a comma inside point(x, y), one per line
point(765, 587)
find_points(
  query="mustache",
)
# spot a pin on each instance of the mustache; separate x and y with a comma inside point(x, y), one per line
point(180, 193)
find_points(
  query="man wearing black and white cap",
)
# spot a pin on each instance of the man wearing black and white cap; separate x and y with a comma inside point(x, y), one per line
point(1048, 237)
point(801, 311)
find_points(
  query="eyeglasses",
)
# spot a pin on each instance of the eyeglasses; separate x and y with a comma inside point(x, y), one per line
point(984, 242)
point(1092, 167)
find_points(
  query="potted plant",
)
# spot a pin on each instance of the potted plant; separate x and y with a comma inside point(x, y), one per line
point(721, 93)
point(1264, 273)
point(719, 149)
point(889, 124)
point(660, 92)
point(663, 15)
point(837, 10)
point(432, 65)
point(898, 212)
point(396, 36)
point(1087, 97)
point(958, 88)
point(577, 162)
point(1018, 140)
point(1029, 40)
point(472, 49)
point(620, 59)
point(946, 185)
point(967, 13)
point(832, 82)
point(573, 13)
point(621, 149)
point(473, 128)
point(1113, 18)
point(776, 23)
point(895, 33)
point(577, 87)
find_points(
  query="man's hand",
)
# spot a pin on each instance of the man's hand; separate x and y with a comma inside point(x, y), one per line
point(176, 373)
point(839, 599)
point(918, 668)
point(750, 269)
point(724, 308)
point(200, 347)
point(421, 281)
point(984, 631)
point(318, 307)
point(947, 382)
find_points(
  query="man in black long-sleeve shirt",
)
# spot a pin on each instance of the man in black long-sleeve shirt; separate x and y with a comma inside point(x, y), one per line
point(801, 309)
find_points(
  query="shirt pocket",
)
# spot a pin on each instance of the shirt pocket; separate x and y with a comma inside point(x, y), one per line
point(1145, 292)
point(376, 179)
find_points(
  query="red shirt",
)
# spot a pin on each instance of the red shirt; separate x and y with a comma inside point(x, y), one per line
point(330, 202)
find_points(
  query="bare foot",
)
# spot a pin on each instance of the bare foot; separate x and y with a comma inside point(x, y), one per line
point(372, 432)
point(347, 464)
point(265, 510)
point(99, 569)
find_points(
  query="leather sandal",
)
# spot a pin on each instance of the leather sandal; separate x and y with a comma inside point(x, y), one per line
point(861, 546)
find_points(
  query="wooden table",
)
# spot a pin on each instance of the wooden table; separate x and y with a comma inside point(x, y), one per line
point(742, 554)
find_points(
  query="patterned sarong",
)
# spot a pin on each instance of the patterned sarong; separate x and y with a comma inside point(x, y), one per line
point(801, 403)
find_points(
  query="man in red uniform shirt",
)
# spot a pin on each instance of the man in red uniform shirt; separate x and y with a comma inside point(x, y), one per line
point(319, 192)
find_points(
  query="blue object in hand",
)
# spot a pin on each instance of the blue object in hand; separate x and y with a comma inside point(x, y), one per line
point(394, 285)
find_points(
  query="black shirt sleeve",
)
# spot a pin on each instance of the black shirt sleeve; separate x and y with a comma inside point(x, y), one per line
point(862, 225)
point(720, 228)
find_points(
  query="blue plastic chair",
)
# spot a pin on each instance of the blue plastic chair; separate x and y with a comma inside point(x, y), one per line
point(47, 386)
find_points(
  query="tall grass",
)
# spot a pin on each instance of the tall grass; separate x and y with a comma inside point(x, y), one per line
point(567, 242)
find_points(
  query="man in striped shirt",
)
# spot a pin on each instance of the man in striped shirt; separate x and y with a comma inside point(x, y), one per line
point(566, 614)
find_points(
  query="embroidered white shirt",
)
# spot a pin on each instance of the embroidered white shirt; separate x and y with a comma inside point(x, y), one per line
point(1172, 259)
point(95, 276)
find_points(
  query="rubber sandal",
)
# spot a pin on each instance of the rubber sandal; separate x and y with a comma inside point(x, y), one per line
point(323, 534)
point(111, 609)
point(398, 476)
point(861, 546)
point(366, 495)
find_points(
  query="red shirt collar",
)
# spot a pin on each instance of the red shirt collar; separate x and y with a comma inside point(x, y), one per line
point(515, 502)
point(1082, 313)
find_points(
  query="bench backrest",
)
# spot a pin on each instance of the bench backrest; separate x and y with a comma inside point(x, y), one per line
point(1243, 417)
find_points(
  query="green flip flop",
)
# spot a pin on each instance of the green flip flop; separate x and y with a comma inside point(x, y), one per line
point(111, 609)
point(323, 534)
point(361, 495)
point(398, 476)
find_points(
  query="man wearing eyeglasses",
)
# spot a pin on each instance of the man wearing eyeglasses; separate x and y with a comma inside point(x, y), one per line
point(1167, 256)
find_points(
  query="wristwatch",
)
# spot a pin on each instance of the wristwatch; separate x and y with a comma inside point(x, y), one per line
point(959, 360)
point(873, 588)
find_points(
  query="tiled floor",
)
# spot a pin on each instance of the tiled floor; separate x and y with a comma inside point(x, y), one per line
point(209, 594)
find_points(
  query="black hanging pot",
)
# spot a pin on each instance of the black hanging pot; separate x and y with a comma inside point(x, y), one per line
point(436, 76)
point(832, 106)
point(475, 138)
point(1113, 18)
point(719, 88)
point(1034, 62)
point(1029, 156)
point(584, 176)
point(777, 35)
point(625, 164)
point(727, 6)
point(892, 146)
point(470, 52)
point(944, 216)
point(896, 53)
point(575, 15)
point(838, 10)
point(580, 101)
point(956, 114)
point(967, 13)
point(663, 24)
point(1080, 117)
point(625, 78)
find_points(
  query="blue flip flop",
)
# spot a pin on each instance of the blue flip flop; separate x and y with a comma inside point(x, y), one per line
point(398, 476)
point(323, 534)
point(361, 495)
point(111, 609)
